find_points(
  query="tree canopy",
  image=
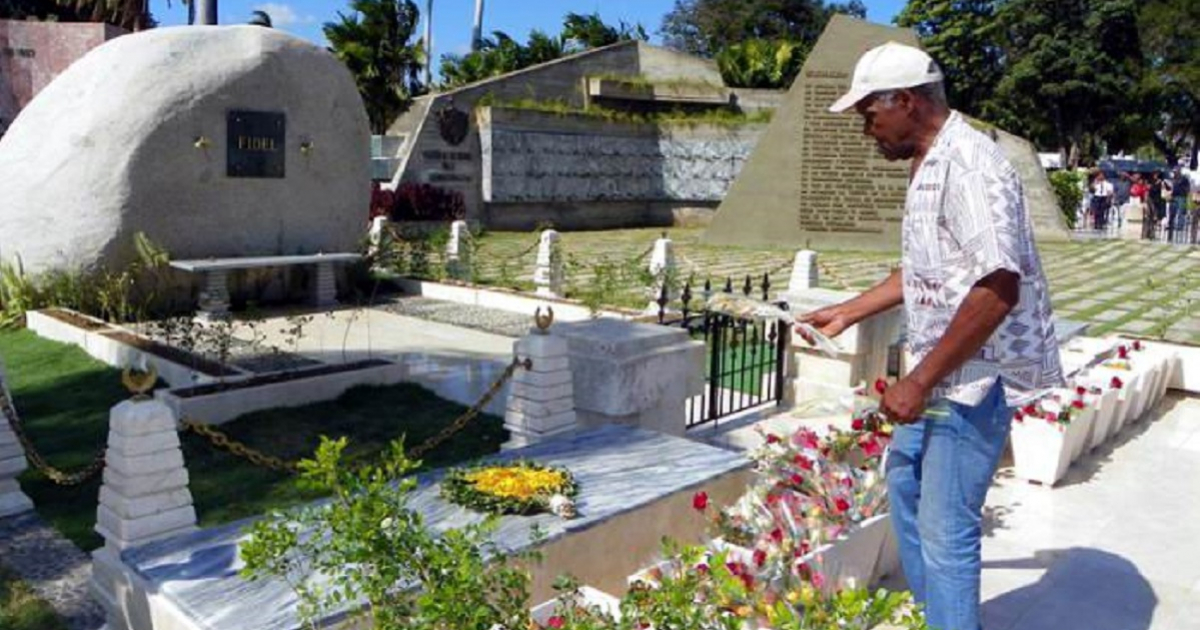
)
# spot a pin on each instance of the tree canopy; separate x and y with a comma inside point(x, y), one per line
point(374, 43)
point(706, 27)
point(128, 14)
point(500, 53)
point(1085, 77)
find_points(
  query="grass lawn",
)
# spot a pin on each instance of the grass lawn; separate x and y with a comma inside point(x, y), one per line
point(20, 609)
point(63, 396)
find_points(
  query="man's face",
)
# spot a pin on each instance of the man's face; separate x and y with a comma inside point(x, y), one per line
point(886, 118)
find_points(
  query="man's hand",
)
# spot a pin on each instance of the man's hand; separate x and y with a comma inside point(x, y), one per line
point(831, 321)
point(904, 401)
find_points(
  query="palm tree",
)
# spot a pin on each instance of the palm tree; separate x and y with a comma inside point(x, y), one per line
point(133, 15)
point(260, 18)
point(373, 42)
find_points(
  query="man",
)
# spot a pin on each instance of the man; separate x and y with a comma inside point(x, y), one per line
point(1181, 191)
point(978, 315)
point(1102, 201)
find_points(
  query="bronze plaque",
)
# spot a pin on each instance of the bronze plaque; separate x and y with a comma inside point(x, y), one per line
point(256, 143)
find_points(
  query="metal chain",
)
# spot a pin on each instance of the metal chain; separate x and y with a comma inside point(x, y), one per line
point(226, 443)
point(60, 477)
point(258, 458)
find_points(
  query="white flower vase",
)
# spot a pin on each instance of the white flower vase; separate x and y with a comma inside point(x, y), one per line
point(587, 597)
point(851, 561)
point(1106, 415)
point(1042, 449)
point(889, 553)
point(1081, 436)
point(1152, 372)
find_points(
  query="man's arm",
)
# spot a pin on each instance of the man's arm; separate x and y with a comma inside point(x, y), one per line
point(832, 320)
point(979, 315)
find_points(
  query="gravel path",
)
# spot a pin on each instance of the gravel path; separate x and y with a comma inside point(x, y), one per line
point(475, 317)
point(53, 567)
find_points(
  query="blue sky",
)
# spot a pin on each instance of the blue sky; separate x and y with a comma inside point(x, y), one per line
point(452, 18)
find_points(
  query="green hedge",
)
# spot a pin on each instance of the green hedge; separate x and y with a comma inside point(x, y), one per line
point(1068, 187)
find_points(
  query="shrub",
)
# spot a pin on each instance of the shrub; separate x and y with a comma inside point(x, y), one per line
point(423, 202)
point(760, 63)
point(1068, 188)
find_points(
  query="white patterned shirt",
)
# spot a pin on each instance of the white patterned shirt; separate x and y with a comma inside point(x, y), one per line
point(965, 218)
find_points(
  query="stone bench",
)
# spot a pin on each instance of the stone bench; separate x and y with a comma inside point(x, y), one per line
point(214, 300)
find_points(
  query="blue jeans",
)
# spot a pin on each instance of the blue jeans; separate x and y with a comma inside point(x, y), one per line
point(938, 475)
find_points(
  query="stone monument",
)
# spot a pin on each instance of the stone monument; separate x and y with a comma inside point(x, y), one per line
point(215, 141)
point(549, 274)
point(815, 180)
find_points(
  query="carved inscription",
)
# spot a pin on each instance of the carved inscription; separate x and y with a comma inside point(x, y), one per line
point(846, 186)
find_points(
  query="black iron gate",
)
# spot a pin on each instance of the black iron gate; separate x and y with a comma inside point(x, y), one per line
point(744, 362)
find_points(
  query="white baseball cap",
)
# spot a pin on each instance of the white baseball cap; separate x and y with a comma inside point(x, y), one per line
point(891, 66)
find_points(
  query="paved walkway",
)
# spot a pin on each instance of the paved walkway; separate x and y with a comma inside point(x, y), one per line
point(54, 568)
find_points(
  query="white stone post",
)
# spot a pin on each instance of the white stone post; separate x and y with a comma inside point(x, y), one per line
point(458, 251)
point(662, 268)
point(549, 273)
point(805, 274)
point(144, 497)
point(541, 400)
point(376, 235)
point(325, 285)
point(12, 463)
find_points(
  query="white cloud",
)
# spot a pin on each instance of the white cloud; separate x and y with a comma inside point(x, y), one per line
point(283, 14)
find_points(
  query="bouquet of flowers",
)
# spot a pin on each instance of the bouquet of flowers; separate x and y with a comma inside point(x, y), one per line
point(520, 487)
point(745, 307)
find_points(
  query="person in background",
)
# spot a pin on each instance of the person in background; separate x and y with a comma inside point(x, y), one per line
point(1156, 208)
point(1181, 193)
point(1102, 200)
point(1137, 201)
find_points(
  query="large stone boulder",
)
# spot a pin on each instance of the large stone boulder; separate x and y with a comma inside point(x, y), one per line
point(133, 137)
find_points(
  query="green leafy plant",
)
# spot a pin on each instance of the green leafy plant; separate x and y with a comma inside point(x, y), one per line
point(760, 63)
point(1068, 189)
point(378, 551)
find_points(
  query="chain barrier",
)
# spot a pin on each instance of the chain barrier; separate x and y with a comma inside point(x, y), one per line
point(222, 441)
point(58, 476)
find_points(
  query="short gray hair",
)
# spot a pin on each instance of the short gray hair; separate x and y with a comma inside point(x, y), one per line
point(934, 92)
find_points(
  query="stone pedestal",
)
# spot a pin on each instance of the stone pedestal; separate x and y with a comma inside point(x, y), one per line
point(805, 274)
point(144, 497)
point(662, 268)
point(549, 273)
point(458, 251)
point(630, 373)
point(541, 400)
point(214, 299)
point(863, 357)
point(325, 285)
point(12, 463)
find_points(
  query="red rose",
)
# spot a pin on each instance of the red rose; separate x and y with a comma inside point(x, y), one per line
point(880, 386)
point(747, 580)
point(772, 438)
point(1122, 352)
point(1116, 383)
point(1051, 416)
point(797, 480)
point(1080, 390)
point(735, 568)
point(1018, 416)
point(556, 622)
point(700, 501)
point(841, 504)
point(1030, 410)
point(777, 535)
point(772, 499)
point(1137, 345)
point(760, 557)
point(857, 424)
point(1078, 404)
point(803, 462)
point(702, 568)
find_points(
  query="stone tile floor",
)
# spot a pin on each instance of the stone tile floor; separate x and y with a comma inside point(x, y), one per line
point(1116, 285)
point(1113, 546)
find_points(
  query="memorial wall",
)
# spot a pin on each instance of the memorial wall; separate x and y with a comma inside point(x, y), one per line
point(816, 181)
